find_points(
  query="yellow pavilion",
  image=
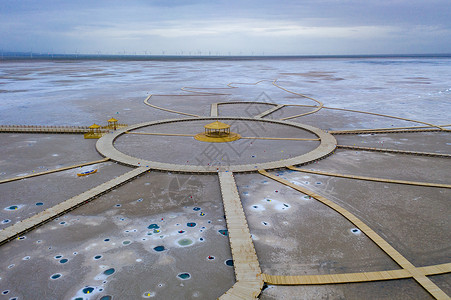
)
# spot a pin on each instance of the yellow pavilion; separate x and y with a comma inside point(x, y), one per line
point(112, 124)
point(217, 132)
point(94, 132)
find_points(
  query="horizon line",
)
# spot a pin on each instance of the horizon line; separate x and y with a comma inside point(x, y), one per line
point(20, 55)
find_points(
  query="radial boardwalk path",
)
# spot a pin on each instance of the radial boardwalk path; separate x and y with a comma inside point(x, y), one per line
point(354, 277)
point(428, 184)
point(55, 170)
point(269, 111)
point(388, 130)
point(214, 110)
point(49, 214)
point(247, 270)
point(406, 265)
point(394, 151)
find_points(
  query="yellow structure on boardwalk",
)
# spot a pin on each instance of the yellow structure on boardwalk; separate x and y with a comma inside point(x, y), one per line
point(217, 132)
point(94, 132)
point(112, 124)
point(97, 131)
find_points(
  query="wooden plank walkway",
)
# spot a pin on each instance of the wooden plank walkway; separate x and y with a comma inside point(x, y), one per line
point(247, 270)
point(347, 147)
point(214, 110)
point(43, 129)
point(388, 130)
point(277, 138)
point(146, 101)
point(20, 228)
point(269, 111)
point(428, 184)
point(162, 134)
point(243, 137)
point(425, 282)
point(55, 170)
point(317, 108)
point(105, 146)
point(214, 107)
point(337, 132)
point(354, 277)
point(380, 115)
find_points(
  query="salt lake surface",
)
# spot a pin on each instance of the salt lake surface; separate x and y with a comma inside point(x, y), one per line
point(81, 92)
point(164, 236)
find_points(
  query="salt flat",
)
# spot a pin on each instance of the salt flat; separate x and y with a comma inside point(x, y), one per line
point(164, 234)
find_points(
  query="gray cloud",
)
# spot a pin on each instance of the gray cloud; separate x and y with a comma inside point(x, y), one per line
point(272, 27)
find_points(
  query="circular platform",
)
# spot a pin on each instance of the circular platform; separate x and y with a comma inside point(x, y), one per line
point(202, 137)
point(105, 146)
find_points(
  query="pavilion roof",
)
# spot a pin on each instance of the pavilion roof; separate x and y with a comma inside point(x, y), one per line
point(112, 120)
point(94, 126)
point(217, 125)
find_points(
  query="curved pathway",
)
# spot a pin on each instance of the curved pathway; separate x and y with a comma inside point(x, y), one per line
point(105, 146)
point(214, 106)
point(146, 101)
point(413, 271)
point(301, 95)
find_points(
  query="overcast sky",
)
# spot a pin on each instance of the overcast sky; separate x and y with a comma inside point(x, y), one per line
point(306, 27)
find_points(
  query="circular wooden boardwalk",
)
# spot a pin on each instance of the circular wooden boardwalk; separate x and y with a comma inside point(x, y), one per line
point(105, 146)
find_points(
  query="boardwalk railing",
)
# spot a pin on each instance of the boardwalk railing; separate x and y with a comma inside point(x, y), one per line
point(54, 129)
point(43, 129)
